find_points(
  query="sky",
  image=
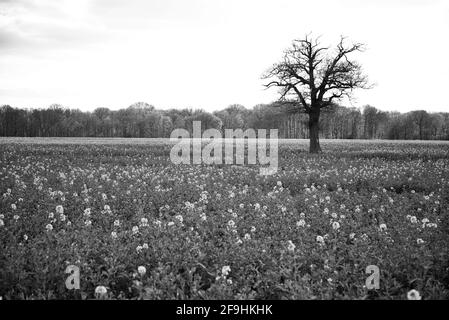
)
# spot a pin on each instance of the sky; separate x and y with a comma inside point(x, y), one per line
point(212, 53)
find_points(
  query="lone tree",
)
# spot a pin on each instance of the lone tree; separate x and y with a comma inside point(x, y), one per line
point(312, 77)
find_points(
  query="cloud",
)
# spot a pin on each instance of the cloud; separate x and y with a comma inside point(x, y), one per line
point(30, 26)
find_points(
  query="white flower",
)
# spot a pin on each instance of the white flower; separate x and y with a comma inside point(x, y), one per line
point(425, 220)
point(114, 235)
point(419, 241)
point(135, 229)
point(139, 248)
point(335, 225)
point(101, 291)
point(13, 206)
point(143, 222)
point(290, 246)
point(334, 215)
point(257, 206)
point(16, 217)
point(145, 246)
point(59, 209)
point(352, 235)
point(225, 270)
point(179, 217)
point(383, 227)
point(253, 229)
point(51, 215)
point(247, 236)
point(1, 223)
point(413, 295)
point(189, 205)
point(301, 223)
point(141, 270)
point(25, 237)
point(62, 217)
point(170, 223)
point(320, 239)
point(88, 223)
point(87, 212)
point(302, 215)
point(413, 219)
point(231, 223)
point(158, 223)
point(117, 223)
point(49, 227)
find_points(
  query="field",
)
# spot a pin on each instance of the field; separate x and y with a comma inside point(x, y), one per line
point(110, 206)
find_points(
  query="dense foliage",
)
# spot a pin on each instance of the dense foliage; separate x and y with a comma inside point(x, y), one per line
point(142, 120)
point(199, 232)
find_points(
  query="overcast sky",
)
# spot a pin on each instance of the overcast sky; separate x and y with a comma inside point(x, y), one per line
point(211, 53)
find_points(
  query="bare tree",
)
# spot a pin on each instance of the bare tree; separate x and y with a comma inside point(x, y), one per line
point(314, 77)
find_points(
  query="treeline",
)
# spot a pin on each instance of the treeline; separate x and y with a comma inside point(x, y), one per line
point(142, 120)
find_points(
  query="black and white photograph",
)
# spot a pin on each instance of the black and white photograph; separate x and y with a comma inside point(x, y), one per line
point(241, 152)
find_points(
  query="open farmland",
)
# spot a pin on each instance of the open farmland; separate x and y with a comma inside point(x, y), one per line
point(109, 206)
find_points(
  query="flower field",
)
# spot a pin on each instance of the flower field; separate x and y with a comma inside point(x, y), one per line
point(139, 227)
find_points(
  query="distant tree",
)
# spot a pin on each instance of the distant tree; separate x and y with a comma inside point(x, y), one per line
point(104, 121)
point(266, 116)
point(314, 77)
point(208, 121)
point(394, 127)
point(445, 126)
point(369, 121)
point(143, 120)
point(436, 124)
point(422, 120)
point(233, 117)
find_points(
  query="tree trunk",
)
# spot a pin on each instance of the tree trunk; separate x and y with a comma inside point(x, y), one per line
point(314, 129)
